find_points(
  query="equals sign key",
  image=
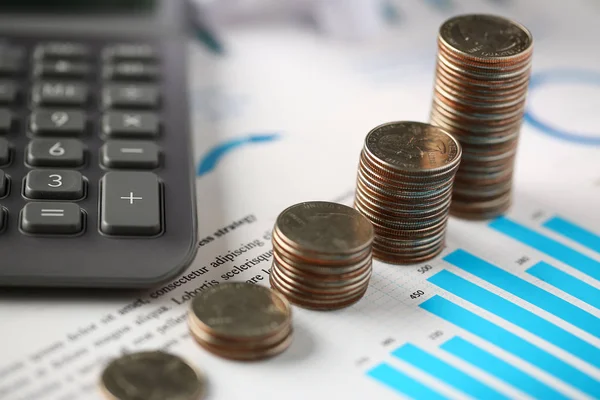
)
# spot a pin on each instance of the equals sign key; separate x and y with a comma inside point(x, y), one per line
point(60, 218)
point(130, 154)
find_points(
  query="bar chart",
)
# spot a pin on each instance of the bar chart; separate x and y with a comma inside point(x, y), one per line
point(492, 305)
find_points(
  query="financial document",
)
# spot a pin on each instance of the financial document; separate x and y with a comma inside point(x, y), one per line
point(510, 309)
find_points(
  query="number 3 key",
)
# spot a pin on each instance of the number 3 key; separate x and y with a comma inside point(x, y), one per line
point(54, 185)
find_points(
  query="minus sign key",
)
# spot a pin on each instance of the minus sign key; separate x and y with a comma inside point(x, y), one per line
point(139, 154)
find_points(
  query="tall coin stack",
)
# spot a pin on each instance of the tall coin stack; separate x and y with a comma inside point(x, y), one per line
point(482, 75)
point(404, 187)
point(241, 321)
point(322, 255)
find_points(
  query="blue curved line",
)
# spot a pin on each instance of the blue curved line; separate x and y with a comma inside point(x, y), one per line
point(579, 76)
point(210, 160)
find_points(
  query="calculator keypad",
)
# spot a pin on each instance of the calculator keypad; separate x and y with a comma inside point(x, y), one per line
point(51, 218)
point(6, 119)
point(55, 153)
point(57, 122)
point(3, 186)
point(59, 93)
point(4, 151)
point(127, 95)
point(51, 184)
point(8, 92)
point(130, 124)
point(135, 154)
point(81, 108)
point(130, 203)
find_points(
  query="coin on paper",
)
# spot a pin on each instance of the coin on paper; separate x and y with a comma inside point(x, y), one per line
point(241, 321)
point(152, 375)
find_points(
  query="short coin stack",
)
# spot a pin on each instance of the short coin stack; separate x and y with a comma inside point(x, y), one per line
point(241, 321)
point(322, 255)
point(404, 187)
point(152, 375)
point(482, 75)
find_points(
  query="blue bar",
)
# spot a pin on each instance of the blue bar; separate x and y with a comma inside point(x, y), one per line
point(500, 369)
point(517, 315)
point(445, 372)
point(567, 283)
point(511, 343)
point(402, 383)
point(574, 232)
point(526, 291)
point(549, 246)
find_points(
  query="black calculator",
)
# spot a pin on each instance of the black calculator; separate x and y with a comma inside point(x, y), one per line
point(97, 184)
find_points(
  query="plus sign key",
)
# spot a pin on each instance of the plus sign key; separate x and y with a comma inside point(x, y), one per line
point(130, 204)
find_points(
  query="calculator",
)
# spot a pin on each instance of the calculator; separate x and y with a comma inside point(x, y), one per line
point(97, 184)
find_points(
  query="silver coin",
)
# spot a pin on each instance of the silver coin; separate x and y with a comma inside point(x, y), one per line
point(152, 375)
point(413, 147)
point(325, 227)
point(486, 36)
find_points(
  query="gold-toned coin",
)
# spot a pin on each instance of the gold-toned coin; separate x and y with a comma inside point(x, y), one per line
point(152, 375)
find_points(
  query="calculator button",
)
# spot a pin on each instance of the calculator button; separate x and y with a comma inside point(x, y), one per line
point(55, 153)
point(130, 203)
point(130, 154)
point(8, 92)
point(57, 122)
point(54, 184)
point(59, 93)
point(10, 66)
point(4, 151)
point(130, 51)
point(6, 119)
point(131, 96)
point(61, 69)
point(61, 50)
point(3, 188)
point(130, 123)
point(130, 70)
point(51, 217)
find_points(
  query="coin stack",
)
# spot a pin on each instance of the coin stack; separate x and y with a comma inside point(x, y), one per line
point(241, 321)
point(482, 75)
point(404, 187)
point(322, 255)
point(152, 375)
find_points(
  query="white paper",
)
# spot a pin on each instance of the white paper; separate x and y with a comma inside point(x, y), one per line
point(319, 99)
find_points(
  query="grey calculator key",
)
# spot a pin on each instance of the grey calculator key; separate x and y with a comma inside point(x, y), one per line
point(130, 51)
point(55, 153)
point(54, 184)
point(10, 65)
point(4, 151)
point(61, 69)
point(140, 154)
point(130, 70)
point(61, 50)
point(57, 122)
point(8, 92)
point(2, 218)
point(130, 203)
point(6, 119)
point(60, 93)
point(51, 217)
point(3, 189)
point(121, 95)
point(130, 123)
